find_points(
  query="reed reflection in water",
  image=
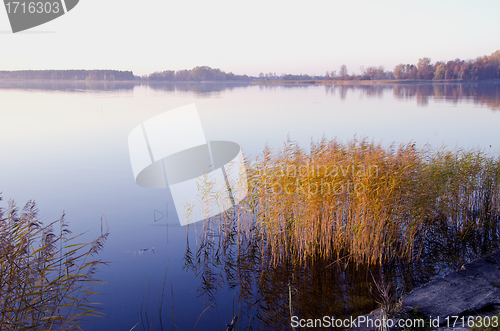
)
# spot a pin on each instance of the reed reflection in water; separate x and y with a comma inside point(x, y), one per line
point(311, 255)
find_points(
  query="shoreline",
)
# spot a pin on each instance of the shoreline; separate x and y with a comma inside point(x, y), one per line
point(370, 82)
point(270, 82)
point(125, 81)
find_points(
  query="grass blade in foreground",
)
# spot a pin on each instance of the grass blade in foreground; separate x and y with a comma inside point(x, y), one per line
point(44, 279)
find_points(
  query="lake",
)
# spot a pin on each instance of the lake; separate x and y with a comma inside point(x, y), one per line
point(65, 145)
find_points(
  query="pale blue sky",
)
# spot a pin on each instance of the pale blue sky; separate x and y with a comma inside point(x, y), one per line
point(253, 36)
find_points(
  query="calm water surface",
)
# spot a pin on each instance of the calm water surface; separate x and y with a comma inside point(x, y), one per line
point(65, 145)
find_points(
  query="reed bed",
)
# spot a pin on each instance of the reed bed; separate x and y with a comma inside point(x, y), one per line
point(317, 226)
point(45, 276)
point(365, 203)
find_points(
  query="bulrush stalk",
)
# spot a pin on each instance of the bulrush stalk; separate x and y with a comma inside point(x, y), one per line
point(45, 277)
point(364, 201)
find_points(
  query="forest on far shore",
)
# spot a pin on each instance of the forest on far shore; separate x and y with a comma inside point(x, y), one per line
point(482, 68)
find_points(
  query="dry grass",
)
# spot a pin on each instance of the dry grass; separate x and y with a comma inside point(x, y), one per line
point(44, 275)
point(363, 202)
point(340, 212)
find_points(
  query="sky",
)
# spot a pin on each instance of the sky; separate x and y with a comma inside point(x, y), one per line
point(249, 37)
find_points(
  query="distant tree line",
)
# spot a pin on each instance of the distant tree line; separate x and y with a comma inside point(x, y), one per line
point(296, 77)
point(370, 73)
point(482, 68)
point(197, 74)
point(284, 76)
point(104, 75)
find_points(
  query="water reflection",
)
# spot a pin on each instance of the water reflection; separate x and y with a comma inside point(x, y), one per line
point(370, 91)
point(232, 253)
point(110, 86)
point(67, 86)
point(481, 93)
point(485, 94)
point(197, 88)
point(38, 126)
